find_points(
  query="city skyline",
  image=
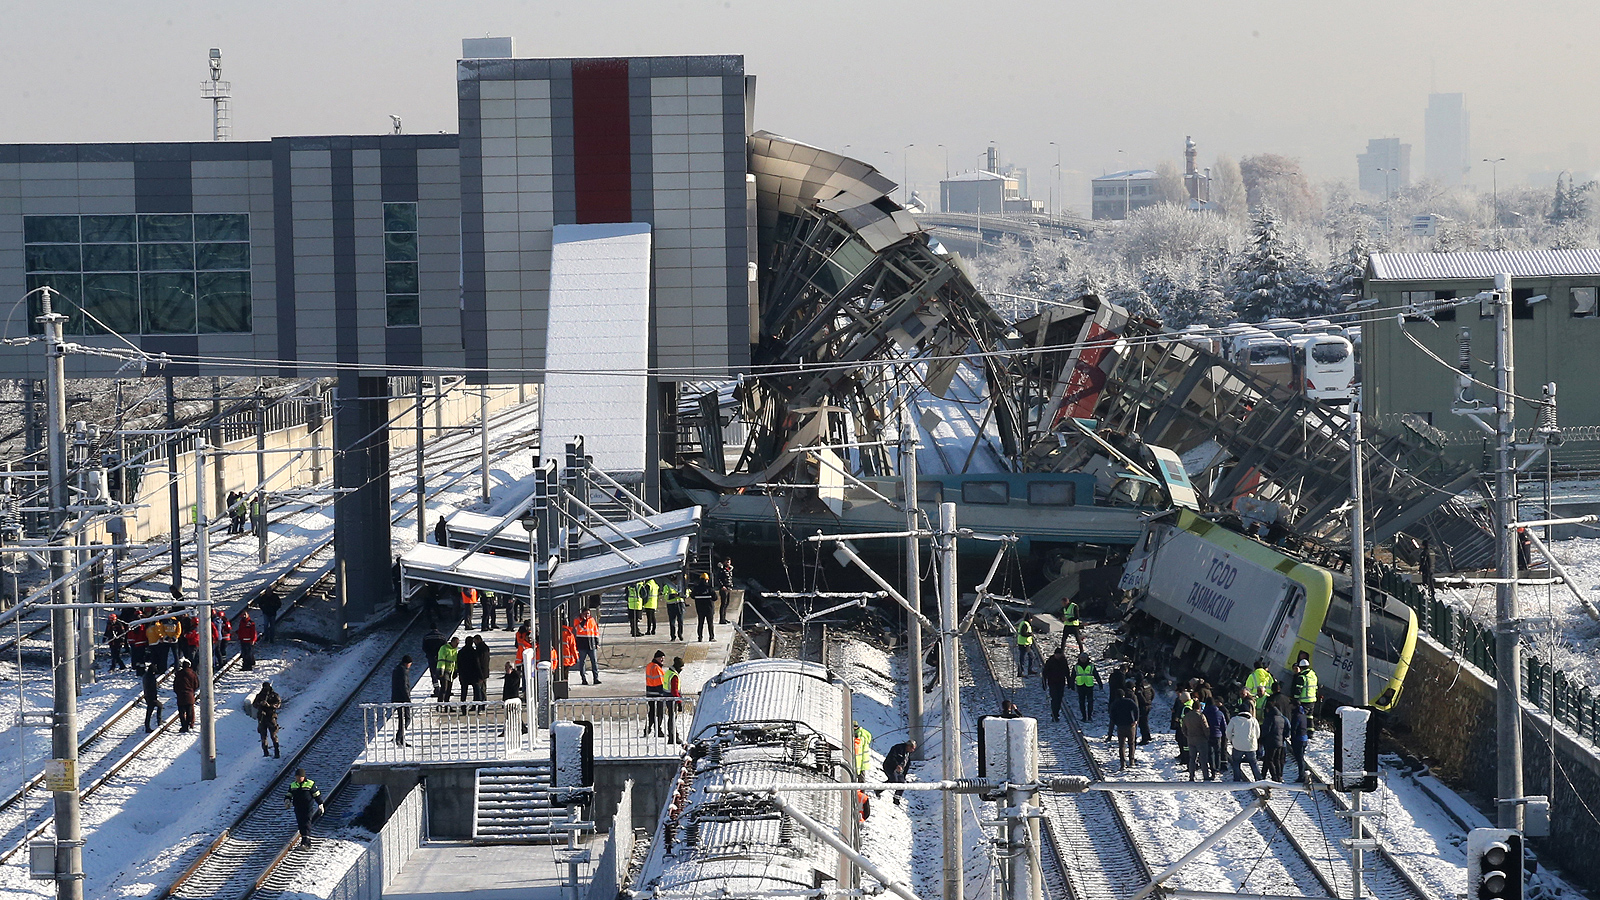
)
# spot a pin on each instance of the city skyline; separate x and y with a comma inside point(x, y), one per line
point(1253, 89)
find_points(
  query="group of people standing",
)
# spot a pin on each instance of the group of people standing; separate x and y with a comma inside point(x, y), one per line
point(450, 662)
point(244, 507)
point(645, 597)
point(489, 605)
point(156, 639)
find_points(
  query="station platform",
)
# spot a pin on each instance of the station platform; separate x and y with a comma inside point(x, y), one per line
point(444, 870)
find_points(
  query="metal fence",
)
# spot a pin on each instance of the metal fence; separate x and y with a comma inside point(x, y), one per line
point(444, 732)
point(1565, 698)
point(632, 727)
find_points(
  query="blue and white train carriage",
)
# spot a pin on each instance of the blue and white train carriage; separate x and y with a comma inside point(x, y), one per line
point(758, 723)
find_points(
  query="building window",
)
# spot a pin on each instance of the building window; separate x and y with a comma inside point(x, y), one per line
point(1520, 307)
point(400, 264)
point(142, 274)
point(1583, 302)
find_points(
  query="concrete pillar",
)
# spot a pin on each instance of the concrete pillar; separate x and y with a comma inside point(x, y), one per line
point(361, 511)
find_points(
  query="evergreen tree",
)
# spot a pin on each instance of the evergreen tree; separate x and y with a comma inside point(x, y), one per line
point(1268, 277)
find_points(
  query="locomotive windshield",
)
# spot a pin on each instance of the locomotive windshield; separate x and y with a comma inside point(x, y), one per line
point(1386, 629)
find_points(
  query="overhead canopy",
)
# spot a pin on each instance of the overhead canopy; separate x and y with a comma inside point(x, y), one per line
point(464, 530)
point(428, 564)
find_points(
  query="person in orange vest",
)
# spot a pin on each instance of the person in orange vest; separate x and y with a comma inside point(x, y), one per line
point(569, 647)
point(587, 629)
point(655, 686)
point(469, 602)
point(524, 642)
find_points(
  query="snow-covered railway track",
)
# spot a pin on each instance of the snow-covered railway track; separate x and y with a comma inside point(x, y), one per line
point(1312, 820)
point(257, 844)
point(1089, 849)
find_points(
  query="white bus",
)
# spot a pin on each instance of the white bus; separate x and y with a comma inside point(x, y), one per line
point(1325, 367)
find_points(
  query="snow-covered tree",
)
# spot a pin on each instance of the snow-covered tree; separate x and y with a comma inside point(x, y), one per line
point(1227, 188)
point(1265, 277)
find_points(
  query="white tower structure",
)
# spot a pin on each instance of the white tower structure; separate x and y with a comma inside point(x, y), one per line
point(219, 92)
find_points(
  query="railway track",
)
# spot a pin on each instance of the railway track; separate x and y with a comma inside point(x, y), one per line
point(1089, 852)
point(258, 847)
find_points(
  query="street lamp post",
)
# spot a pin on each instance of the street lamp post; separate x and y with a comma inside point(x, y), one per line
point(1494, 181)
point(1055, 186)
point(905, 175)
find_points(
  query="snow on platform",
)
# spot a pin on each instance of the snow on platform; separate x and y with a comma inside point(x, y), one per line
point(440, 871)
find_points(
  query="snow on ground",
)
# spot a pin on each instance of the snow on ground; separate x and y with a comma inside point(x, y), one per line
point(874, 676)
point(158, 809)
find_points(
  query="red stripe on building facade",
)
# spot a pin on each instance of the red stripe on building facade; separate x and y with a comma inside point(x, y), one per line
point(602, 172)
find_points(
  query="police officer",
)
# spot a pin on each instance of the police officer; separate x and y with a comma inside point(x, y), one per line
point(1305, 685)
point(635, 607)
point(1024, 647)
point(306, 801)
point(1071, 624)
point(652, 596)
point(1085, 676)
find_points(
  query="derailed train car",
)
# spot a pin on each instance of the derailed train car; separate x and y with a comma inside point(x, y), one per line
point(758, 723)
point(1228, 600)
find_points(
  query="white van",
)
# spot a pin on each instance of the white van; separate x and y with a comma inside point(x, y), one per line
point(1325, 367)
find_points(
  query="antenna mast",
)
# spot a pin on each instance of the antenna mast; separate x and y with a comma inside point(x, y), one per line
point(219, 92)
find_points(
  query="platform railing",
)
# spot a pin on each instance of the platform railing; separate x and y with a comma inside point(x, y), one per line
point(444, 732)
point(620, 724)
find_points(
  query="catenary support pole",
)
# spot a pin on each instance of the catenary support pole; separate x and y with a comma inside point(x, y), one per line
point(174, 517)
point(1507, 653)
point(261, 479)
point(913, 586)
point(422, 475)
point(483, 442)
point(64, 730)
point(202, 543)
point(1358, 625)
point(950, 683)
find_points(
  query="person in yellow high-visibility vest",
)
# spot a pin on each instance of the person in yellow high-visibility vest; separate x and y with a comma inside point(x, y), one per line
point(635, 605)
point(652, 597)
point(863, 747)
point(1259, 685)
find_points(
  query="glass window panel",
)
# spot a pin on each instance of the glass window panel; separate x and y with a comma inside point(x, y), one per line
point(110, 258)
point(50, 229)
point(1052, 493)
point(224, 302)
point(166, 228)
point(159, 257)
point(114, 300)
point(402, 278)
point(222, 227)
point(404, 309)
point(988, 492)
point(52, 257)
point(167, 302)
point(69, 288)
point(222, 256)
point(108, 229)
point(400, 247)
point(399, 217)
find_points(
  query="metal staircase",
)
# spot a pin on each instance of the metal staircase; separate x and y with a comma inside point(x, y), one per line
point(512, 805)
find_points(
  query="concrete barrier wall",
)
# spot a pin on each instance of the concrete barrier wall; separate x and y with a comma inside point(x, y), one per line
point(149, 519)
point(611, 873)
point(375, 869)
point(1447, 713)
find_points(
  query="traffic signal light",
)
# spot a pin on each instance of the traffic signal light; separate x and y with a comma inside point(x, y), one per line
point(1494, 864)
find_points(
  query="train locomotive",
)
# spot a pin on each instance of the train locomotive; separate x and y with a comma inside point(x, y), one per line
point(1241, 600)
point(758, 723)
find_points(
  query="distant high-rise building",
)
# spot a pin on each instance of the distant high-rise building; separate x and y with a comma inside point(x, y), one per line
point(1445, 132)
point(1385, 169)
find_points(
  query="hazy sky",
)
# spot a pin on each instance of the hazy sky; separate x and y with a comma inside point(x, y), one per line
point(1116, 83)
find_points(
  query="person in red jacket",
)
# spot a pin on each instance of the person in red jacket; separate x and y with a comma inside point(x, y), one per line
point(246, 633)
point(221, 631)
point(138, 644)
point(189, 639)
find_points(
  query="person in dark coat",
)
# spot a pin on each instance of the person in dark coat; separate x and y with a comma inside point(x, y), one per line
point(1218, 720)
point(152, 699)
point(511, 682)
point(1180, 705)
point(185, 684)
point(470, 669)
point(1115, 683)
point(306, 801)
point(895, 763)
point(1299, 736)
point(270, 603)
point(1144, 694)
point(400, 692)
point(1274, 732)
point(1196, 731)
point(431, 642)
point(116, 639)
point(480, 688)
point(705, 626)
point(1054, 676)
point(1124, 713)
point(267, 703)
